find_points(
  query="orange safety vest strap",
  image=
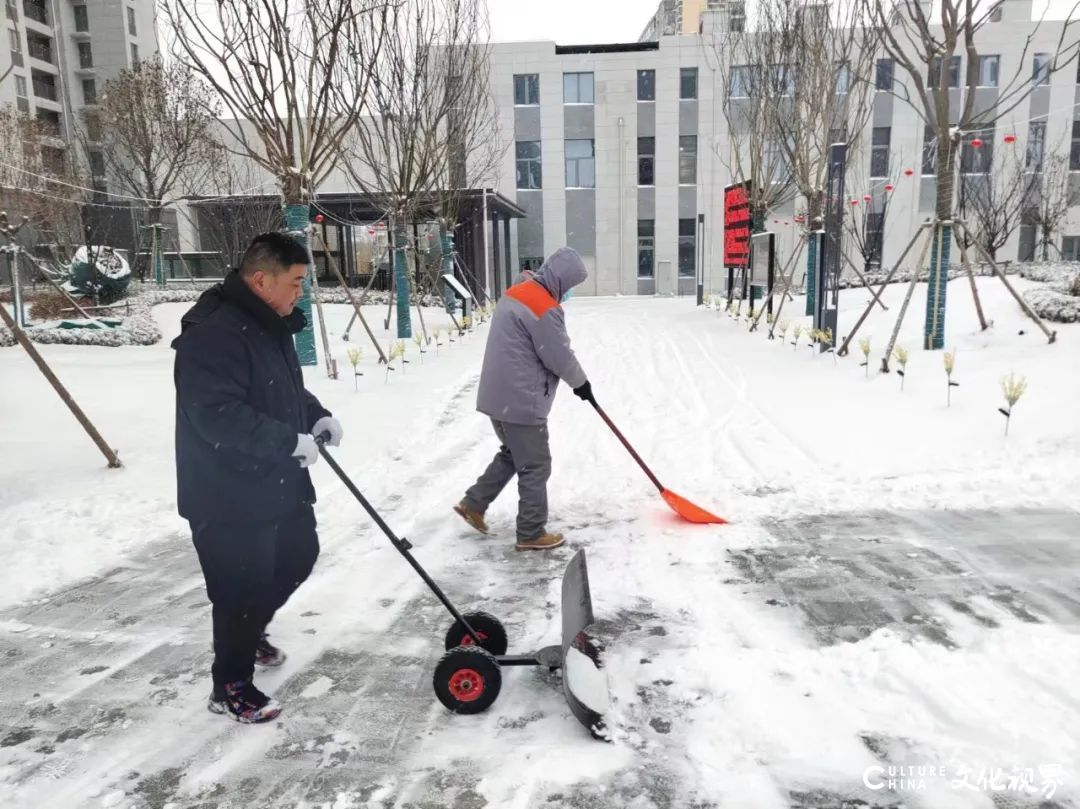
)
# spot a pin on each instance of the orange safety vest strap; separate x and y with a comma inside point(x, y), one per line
point(534, 296)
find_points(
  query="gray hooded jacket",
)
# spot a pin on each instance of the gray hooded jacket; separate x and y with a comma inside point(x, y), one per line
point(528, 350)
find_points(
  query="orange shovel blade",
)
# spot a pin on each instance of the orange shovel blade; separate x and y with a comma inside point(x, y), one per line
point(688, 511)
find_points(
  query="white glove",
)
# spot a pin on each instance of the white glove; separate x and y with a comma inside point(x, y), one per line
point(307, 451)
point(329, 424)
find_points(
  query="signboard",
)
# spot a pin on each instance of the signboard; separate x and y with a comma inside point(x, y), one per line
point(828, 288)
point(737, 225)
point(762, 263)
point(457, 286)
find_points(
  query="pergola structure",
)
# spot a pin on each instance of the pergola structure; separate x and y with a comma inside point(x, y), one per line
point(478, 264)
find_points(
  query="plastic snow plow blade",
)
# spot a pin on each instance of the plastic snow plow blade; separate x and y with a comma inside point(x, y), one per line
point(584, 679)
point(690, 512)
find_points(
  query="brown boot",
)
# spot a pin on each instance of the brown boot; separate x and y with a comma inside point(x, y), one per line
point(473, 518)
point(544, 543)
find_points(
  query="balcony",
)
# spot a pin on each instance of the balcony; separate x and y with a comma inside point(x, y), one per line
point(40, 48)
point(45, 89)
point(51, 126)
point(35, 10)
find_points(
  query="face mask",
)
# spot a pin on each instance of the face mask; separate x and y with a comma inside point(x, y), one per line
point(566, 296)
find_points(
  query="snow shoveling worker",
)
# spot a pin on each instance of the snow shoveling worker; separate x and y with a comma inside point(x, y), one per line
point(245, 428)
point(527, 353)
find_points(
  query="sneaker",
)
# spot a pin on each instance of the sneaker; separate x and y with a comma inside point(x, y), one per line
point(543, 543)
point(267, 654)
point(473, 518)
point(243, 702)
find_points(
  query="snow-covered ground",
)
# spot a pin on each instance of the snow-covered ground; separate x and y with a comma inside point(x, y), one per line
point(897, 588)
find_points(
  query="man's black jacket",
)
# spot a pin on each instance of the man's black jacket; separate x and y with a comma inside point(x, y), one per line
point(240, 404)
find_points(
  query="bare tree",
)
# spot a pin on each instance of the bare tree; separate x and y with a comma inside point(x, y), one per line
point(929, 52)
point(156, 125)
point(40, 180)
point(428, 95)
point(755, 83)
point(237, 213)
point(1049, 202)
point(294, 75)
point(993, 198)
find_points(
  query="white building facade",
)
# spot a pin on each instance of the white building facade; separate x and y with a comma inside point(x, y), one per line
point(613, 150)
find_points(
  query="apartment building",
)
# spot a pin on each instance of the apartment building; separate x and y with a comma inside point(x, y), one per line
point(616, 149)
point(58, 55)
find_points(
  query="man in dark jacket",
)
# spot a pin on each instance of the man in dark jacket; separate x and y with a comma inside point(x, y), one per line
point(244, 439)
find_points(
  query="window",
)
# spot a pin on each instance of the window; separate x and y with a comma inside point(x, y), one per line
point(875, 232)
point(1036, 148)
point(528, 164)
point(687, 159)
point(988, 70)
point(1070, 248)
point(646, 85)
point(97, 165)
point(929, 152)
point(883, 76)
point(688, 83)
point(86, 55)
point(82, 19)
point(843, 79)
point(646, 248)
point(13, 38)
point(1074, 150)
point(580, 163)
point(687, 247)
point(1040, 71)
point(134, 54)
point(879, 152)
point(20, 86)
point(977, 160)
point(953, 79)
point(12, 9)
point(131, 21)
point(577, 88)
point(736, 17)
point(527, 89)
point(532, 263)
point(646, 161)
point(89, 91)
point(739, 82)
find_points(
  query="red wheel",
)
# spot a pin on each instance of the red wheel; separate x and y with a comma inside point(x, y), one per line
point(488, 628)
point(467, 679)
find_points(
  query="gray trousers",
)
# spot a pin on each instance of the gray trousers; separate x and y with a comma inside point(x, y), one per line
point(525, 453)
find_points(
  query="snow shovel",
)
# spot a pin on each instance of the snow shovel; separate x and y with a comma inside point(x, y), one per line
point(468, 678)
point(680, 505)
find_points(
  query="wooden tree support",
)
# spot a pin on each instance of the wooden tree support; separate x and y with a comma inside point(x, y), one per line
point(907, 300)
point(881, 289)
point(24, 341)
point(348, 293)
point(1051, 336)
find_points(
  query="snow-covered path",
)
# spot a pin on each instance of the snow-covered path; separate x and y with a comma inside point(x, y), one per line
point(898, 587)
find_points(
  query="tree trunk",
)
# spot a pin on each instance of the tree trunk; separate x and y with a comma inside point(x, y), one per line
point(297, 220)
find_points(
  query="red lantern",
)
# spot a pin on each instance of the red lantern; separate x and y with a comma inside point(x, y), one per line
point(854, 202)
point(976, 143)
point(867, 198)
point(889, 187)
point(909, 172)
point(1010, 139)
point(319, 218)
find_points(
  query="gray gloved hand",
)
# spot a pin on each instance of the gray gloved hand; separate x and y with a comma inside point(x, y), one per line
point(307, 451)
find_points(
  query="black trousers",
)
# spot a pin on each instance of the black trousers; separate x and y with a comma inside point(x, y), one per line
point(251, 570)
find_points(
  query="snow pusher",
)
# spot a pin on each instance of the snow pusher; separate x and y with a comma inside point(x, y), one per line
point(468, 678)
